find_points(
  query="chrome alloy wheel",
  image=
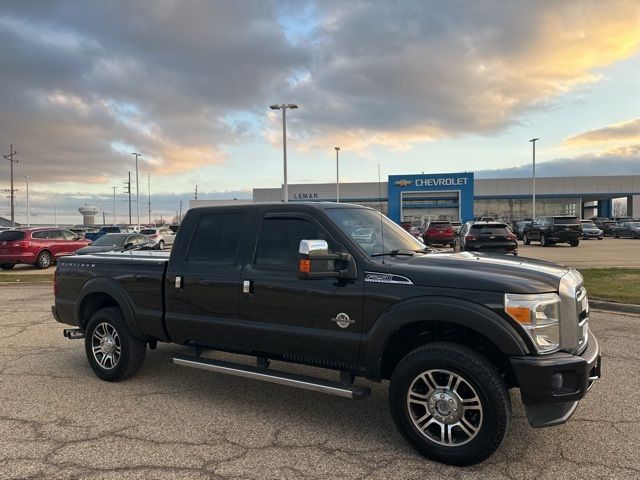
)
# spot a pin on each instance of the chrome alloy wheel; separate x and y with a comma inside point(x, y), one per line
point(105, 344)
point(444, 407)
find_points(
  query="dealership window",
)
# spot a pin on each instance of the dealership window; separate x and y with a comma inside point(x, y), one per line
point(517, 208)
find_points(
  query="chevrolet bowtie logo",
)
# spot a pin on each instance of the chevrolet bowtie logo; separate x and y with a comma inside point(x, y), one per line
point(403, 183)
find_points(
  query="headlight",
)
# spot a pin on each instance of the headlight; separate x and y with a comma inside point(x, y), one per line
point(539, 316)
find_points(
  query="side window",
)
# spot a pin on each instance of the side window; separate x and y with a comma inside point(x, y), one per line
point(139, 239)
point(279, 240)
point(40, 235)
point(56, 235)
point(216, 238)
point(67, 235)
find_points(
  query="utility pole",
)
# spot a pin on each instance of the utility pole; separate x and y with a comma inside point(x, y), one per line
point(180, 215)
point(149, 188)
point(137, 189)
point(12, 193)
point(55, 215)
point(196, 192)
point(27, 178)
point(128, 190)
point(104, 218)
point(114, 205)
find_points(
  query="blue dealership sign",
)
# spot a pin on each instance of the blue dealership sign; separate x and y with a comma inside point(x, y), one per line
point(442, 182)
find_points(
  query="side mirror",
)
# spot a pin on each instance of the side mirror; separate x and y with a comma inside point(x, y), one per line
point(315, 261)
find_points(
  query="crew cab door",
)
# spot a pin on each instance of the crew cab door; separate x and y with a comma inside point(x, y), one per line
point(293, 317)
point(203, 281)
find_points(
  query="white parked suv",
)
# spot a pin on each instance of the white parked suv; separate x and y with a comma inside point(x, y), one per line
point(161, 236)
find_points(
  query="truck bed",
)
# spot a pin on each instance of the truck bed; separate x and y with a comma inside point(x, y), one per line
point(140, 274)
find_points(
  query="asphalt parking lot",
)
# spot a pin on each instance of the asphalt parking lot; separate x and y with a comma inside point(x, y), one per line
point(59, 421)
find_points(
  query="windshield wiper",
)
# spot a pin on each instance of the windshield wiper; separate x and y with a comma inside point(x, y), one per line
point(394, 253)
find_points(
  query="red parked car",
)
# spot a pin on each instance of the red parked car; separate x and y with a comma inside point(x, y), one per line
point(37, 246)
point(439, 232)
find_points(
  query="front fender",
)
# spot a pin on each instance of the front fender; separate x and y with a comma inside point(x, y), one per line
point(440, 309)
point(112, 288)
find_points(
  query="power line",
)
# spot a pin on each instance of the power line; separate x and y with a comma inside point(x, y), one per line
point(12, 191)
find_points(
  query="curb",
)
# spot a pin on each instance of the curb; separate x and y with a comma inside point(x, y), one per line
point(615, 307)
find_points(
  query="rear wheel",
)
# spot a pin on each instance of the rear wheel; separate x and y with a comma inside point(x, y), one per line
point(574, 243)
point(525, 239)
point(450, 403)
point(43, 260)
point(113, 353)
point(7, 266)
point(161, 245)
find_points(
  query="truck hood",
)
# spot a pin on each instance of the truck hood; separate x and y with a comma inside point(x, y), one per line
point(479, 271)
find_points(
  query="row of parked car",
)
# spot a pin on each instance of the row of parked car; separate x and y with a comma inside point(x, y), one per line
point(486, 234)
point(44, 245)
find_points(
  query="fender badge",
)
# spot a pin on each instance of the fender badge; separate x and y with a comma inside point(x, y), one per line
point(343, 320)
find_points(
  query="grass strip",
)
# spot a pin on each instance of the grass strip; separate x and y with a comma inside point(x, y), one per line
point(26, 278)
point(620, 285)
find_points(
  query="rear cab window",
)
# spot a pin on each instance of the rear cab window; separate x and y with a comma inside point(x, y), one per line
point(216, 238)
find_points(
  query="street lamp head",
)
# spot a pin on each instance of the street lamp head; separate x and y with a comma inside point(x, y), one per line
point(292, 105)
point(534, 139)
point(337, 148)
point(274, 107)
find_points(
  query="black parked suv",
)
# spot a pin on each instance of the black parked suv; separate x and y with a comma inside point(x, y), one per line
point(488, 237)
point(551, 230)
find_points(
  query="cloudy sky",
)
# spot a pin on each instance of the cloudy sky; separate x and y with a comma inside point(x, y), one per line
point(413, 85)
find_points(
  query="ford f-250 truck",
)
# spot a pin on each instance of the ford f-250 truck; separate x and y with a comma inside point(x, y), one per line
point(452, 332)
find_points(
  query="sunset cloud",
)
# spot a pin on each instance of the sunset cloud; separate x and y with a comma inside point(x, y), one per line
point(619, 132)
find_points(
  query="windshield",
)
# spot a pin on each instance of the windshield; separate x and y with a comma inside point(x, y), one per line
point(588, 225)
point(368, 227)
point(634, 224)
point(11, 236)
point(148, 231)
point(496, 229)
point(110, 241)
point(565, 220)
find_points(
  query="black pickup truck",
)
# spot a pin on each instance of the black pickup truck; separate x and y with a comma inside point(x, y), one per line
point(300, 283)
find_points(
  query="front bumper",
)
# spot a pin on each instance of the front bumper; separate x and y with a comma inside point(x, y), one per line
point(552, 385)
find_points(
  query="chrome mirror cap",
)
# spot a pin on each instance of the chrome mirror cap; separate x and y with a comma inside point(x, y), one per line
point(310, 247)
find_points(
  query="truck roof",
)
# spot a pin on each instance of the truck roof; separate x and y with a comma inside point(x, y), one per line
point(282, 206)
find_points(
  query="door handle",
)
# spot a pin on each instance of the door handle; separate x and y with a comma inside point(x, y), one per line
point(246, 286)
point(178, 282)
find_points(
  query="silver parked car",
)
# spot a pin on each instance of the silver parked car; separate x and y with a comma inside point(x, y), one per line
point(160, 236)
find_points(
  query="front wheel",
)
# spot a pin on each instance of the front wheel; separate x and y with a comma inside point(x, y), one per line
point(525, 239)
point(450, 403)
point(543, 241)
point(113, 353)
point(160, 245)
point(574, 243)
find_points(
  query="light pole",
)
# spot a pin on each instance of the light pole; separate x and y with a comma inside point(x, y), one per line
point(27, 177)
point(137, 189)
point(114, 205)
point(533, 141)
point(337, 175)
point(284, 107)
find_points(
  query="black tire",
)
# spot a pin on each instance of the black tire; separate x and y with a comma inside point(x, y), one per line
point(525, 239)
point(615, 235)
point(161, 245)
point(600, 238)
point(543, 241)
point(476, 372)
point(574, 243)
point(7, 266)
point(131, 350)
point(44, 260)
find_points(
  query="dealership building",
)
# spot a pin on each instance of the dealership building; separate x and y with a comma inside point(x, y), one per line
point(422, 197)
